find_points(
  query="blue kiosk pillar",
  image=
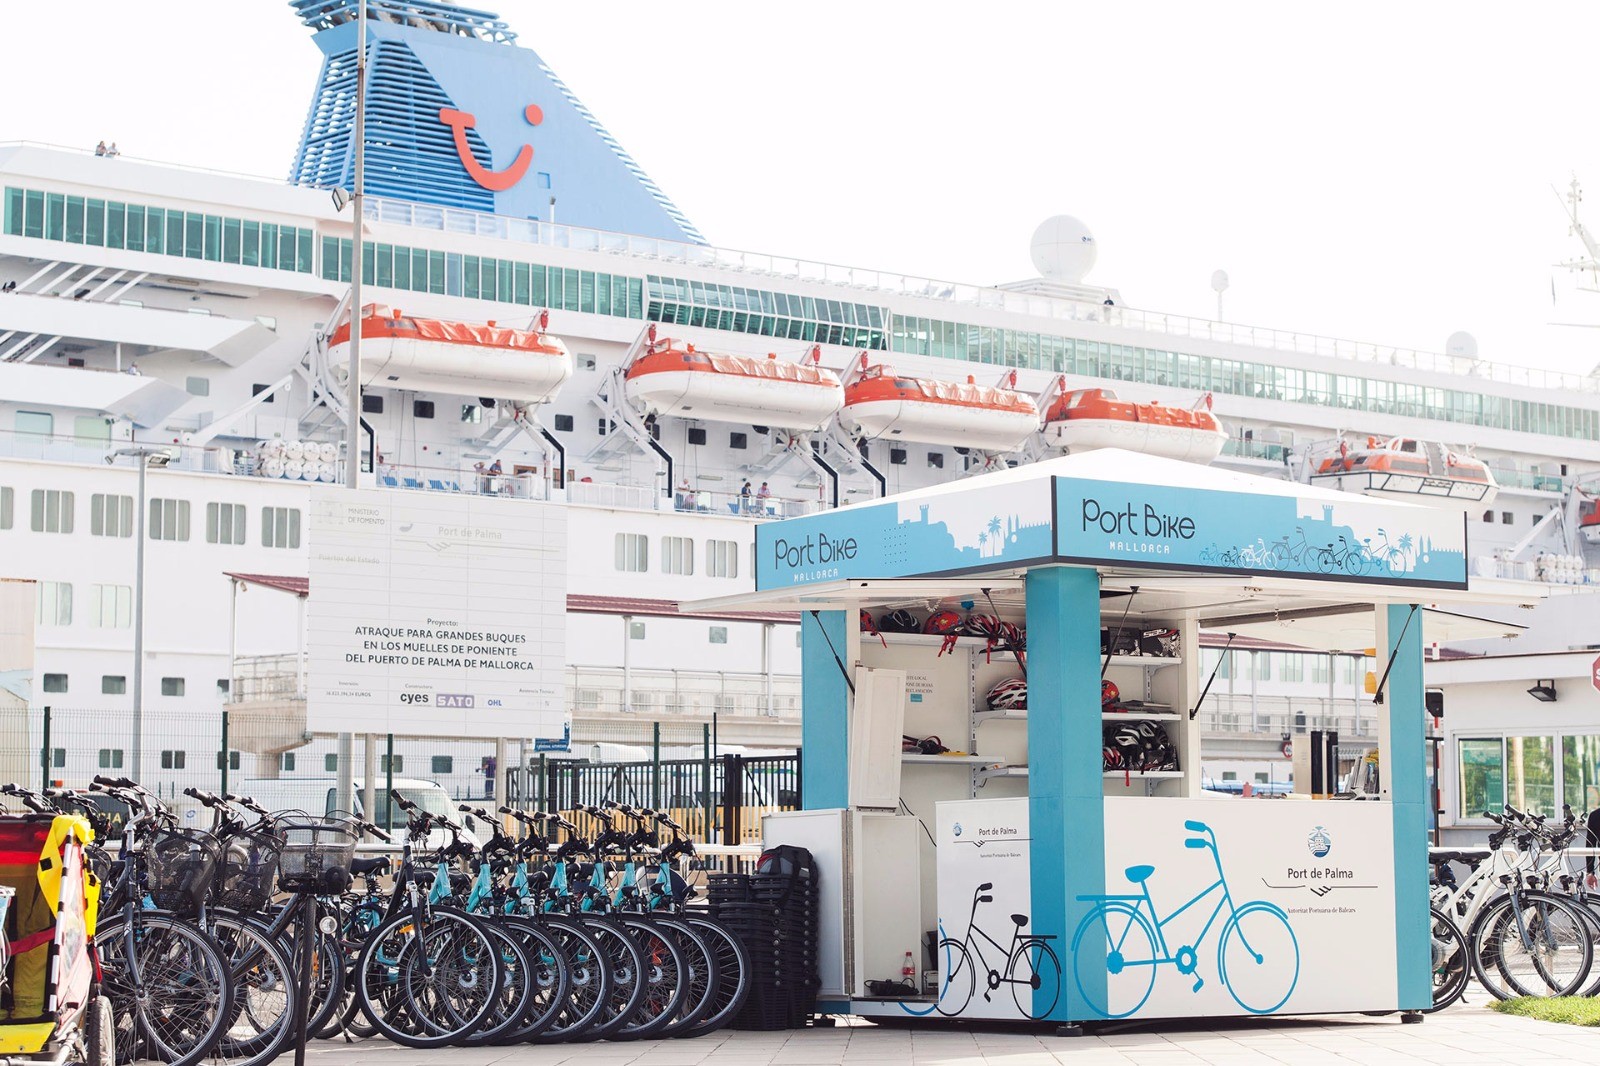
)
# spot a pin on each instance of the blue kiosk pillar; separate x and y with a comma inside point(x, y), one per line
point(1408, 795)
point(1066, 795)
point(824, 709)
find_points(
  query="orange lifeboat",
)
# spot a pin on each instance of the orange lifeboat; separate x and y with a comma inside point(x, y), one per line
point(1589, 524)
point(1095, 418)
point(672, 378)
point(455, 358)
point(1420, 471)
point(880, 403)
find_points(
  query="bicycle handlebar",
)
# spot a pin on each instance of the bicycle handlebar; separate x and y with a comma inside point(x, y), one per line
point(1196, 842)
point(1196, 827)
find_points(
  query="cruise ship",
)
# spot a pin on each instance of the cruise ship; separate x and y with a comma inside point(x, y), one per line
point(541, 322)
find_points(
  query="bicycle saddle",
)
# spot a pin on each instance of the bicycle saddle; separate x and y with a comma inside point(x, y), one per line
point(1471, 858)
point(1139, 874)
point(1020, 920)
point(377, 865)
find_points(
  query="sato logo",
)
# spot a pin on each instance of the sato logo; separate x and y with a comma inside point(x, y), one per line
point(1319, 842)
point(455, 701)
point(413, 697)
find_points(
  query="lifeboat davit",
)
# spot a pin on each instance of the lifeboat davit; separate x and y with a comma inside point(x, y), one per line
point(881, 403)
point(673, 378)
point(1404, 467)
point(1094, 418)
point(431, 355)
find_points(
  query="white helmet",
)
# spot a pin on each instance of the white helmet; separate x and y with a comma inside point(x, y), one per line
point(1009, 695)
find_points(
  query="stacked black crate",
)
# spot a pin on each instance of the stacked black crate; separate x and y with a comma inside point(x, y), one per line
point(775, 913)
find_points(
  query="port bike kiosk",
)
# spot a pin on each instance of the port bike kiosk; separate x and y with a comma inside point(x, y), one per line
point(1054, 889)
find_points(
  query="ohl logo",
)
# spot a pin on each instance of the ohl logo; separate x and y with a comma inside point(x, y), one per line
point(1319, 842)
point(493, 180)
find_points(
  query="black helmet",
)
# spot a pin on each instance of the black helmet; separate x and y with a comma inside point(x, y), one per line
point(901, 621)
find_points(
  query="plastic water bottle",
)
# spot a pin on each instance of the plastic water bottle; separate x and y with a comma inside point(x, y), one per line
point(908, 971)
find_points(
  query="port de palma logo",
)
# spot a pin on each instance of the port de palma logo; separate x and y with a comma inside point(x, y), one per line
point(1319, 842)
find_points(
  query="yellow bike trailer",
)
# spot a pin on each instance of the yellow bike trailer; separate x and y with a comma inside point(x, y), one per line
point(51, 1011)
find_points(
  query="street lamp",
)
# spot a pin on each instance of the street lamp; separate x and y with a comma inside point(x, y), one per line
point(147, 457)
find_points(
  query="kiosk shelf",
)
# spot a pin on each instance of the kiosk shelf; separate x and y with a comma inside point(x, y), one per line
point(999, 771)
point(1163, 715)
point(1144, 775)
point(1149, 662)
point(948, 760)
point(979, 717)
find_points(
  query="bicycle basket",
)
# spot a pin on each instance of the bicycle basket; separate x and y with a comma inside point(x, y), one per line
point(316, 855)
point(179, 866)
point(249, 870)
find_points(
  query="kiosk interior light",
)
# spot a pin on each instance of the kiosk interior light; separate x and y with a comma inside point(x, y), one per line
point(1544, 691)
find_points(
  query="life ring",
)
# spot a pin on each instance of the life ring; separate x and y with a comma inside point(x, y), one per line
point(1287, 747)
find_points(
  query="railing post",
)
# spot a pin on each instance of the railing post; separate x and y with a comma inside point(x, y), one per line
point(705, 770)
point(388, 778)
point(544, 762)
point(655, 765)
point(732, 782)
point(224, 751)
point(44, 752)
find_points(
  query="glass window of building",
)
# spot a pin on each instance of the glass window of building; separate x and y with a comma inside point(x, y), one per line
point(53, 510)
point(677, 555)
point(55, 603)
point(632, 552)
point(225, 523)
point(169, 519)
point(110, 516)
point(280, 527)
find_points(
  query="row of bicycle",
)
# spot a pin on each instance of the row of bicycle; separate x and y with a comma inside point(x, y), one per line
point(230, 944)
point(1523, 920)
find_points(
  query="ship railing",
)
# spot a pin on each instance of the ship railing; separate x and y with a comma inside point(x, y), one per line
point(604, 689)
point(1543, 568)
point(464, 479)
point(738, 505)
point(1277, 716)
point(1239, 448)
point(1038, 305)
point(71, 448)
point(590, 689)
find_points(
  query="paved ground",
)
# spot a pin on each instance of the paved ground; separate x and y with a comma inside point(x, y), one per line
point(1466, 1034)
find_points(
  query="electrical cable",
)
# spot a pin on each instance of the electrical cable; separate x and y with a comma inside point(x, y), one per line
point(920, 822)
point(1111, 638)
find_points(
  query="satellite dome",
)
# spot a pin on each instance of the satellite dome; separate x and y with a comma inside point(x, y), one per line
point(1461, 344)
point(1063, 249)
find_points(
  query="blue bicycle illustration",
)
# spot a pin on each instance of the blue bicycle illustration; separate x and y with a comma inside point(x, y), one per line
point(1258, 958)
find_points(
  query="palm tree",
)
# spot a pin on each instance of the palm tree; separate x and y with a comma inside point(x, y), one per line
point(983, 538)
point(994, 532)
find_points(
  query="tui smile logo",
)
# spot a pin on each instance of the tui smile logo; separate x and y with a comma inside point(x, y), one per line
point(493, 180)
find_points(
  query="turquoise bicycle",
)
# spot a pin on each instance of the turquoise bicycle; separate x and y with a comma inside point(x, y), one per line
point(1258, 958)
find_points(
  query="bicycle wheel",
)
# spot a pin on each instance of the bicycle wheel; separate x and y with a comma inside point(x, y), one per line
point(266, 993)
point(1114, 959)
point(516, 994)
point(666, 978)
point(956, 979)
point(1535, 944)
point(703, 974)
point(546, 980)
point(734, 974)
point(626, 961)
point(588, 976)
point(1451, 966)
point(1258, 957)
point(1035, 975)
point(430, 987)
point(182, 999)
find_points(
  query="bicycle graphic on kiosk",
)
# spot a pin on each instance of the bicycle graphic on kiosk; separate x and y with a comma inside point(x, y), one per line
point(1030, 966)
point(1258, 957)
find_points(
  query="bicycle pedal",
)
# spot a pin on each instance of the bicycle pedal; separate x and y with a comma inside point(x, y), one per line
point(1198, 981)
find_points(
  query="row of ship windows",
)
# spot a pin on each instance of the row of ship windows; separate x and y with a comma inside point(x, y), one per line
point(714, 634)
point(109, 223)
point(178, 759)
point(1151, 366)
point(1283, 666)
point(632, 555)
point(138, 228)
point(55, 511)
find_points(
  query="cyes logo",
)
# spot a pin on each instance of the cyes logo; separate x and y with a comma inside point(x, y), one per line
point(1319, 842)
point(413, 697)
point(493, 180)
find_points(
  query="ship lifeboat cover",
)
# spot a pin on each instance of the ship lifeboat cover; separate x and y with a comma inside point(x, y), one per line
point(1085, 419)
point(682, 381)
point(881, 403)
point(458, 358)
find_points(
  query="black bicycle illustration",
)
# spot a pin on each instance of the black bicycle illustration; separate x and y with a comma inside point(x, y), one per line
point(1031, 967)
point(1122, 940)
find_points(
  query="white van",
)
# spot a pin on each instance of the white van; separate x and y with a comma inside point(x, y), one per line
point(319, 795)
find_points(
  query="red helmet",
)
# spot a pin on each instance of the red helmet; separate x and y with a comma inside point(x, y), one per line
point(942, 622)
point(867, 624)
point(1109, 693)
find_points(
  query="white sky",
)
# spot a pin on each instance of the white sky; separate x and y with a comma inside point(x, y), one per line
point(1377, 171)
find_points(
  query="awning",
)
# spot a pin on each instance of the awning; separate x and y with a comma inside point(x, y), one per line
point(297, 586)
point(884, 594)
point(1349, 627)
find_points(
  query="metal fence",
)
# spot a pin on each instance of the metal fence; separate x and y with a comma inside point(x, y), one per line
point(717, 791)
point(1276, 715)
